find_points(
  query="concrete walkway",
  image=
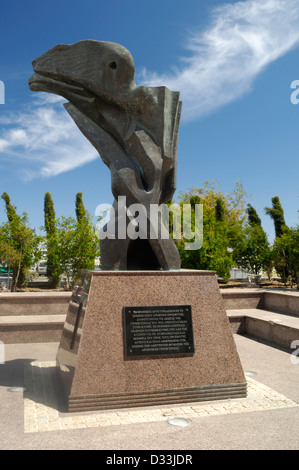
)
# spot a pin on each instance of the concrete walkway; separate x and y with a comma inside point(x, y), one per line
point(267, 419)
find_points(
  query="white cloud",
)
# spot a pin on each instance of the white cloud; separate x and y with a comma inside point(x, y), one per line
point(3, 145)
point(242, 39)
point(44, 141)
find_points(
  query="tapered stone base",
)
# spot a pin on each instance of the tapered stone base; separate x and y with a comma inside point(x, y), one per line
point(91, 361)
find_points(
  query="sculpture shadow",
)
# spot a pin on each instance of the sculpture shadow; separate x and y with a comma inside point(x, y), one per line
point(12, 372)
point(41, 384)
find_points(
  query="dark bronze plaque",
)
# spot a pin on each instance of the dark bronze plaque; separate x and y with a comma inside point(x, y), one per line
point(158, 330)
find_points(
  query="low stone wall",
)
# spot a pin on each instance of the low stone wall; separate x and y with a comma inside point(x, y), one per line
point(282, 302)
point(34, 303)
point(282, 335)
point(39, 316)
point(31, 330)
point(275, 301)
point(242, 298)
point(56, 303)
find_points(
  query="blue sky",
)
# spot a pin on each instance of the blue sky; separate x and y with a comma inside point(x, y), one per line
point(233, 63)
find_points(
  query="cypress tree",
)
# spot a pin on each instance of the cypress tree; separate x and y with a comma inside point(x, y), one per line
point(277, 215)
point(220, 210)
point(87, 243)
point(80, 209)
point(281, 260)
point(253, 217)
point(53, 270)
point(49, 213)
point(10, 210)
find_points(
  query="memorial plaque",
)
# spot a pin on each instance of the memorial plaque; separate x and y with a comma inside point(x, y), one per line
point(158, 330)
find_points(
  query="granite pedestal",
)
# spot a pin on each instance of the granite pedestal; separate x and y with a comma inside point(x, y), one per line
point(92, 363)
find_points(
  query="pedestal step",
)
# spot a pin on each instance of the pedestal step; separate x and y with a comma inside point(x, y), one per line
point(191, 394)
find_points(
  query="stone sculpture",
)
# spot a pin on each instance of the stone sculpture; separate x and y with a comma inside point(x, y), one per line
point(134, 129)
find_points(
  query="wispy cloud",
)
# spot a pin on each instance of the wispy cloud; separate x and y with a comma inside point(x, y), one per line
point(223, 60)
point(43, 141)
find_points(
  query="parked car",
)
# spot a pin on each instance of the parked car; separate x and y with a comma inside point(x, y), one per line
point(33, 269)
point(42, 269)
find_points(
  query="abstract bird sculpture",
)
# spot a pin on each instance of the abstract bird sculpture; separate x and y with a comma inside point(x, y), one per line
point(135, 131)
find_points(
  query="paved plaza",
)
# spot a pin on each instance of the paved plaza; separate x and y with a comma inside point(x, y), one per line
point(33, 417)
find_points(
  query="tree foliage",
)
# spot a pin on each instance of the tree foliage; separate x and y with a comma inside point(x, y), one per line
point(223, 216)
point(53, 262)
point(10, 209)
point(277, 214)
point(286, 255)
point(253, 217)
point(252, 250)
point(71, 243)
point(76, 246)
point(49, 214)
point(80, 209)
point(220, 210)
point(235, 201)
point(280, 253)
point(19, 244)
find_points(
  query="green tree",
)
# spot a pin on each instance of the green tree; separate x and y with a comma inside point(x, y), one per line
point(277, 214)
point(19, 244)
point(88, 245)
point(235, 201)
point(253, 217)
point(80, 209)
point(286, 253)
point(281, 262)
point(77, 244)
point(220, 210)
point(9, 256)
point(223, 216)
point(49, 214)
point(252, 251)
point(72, 244)
point(53, 263)
point(10, 209)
